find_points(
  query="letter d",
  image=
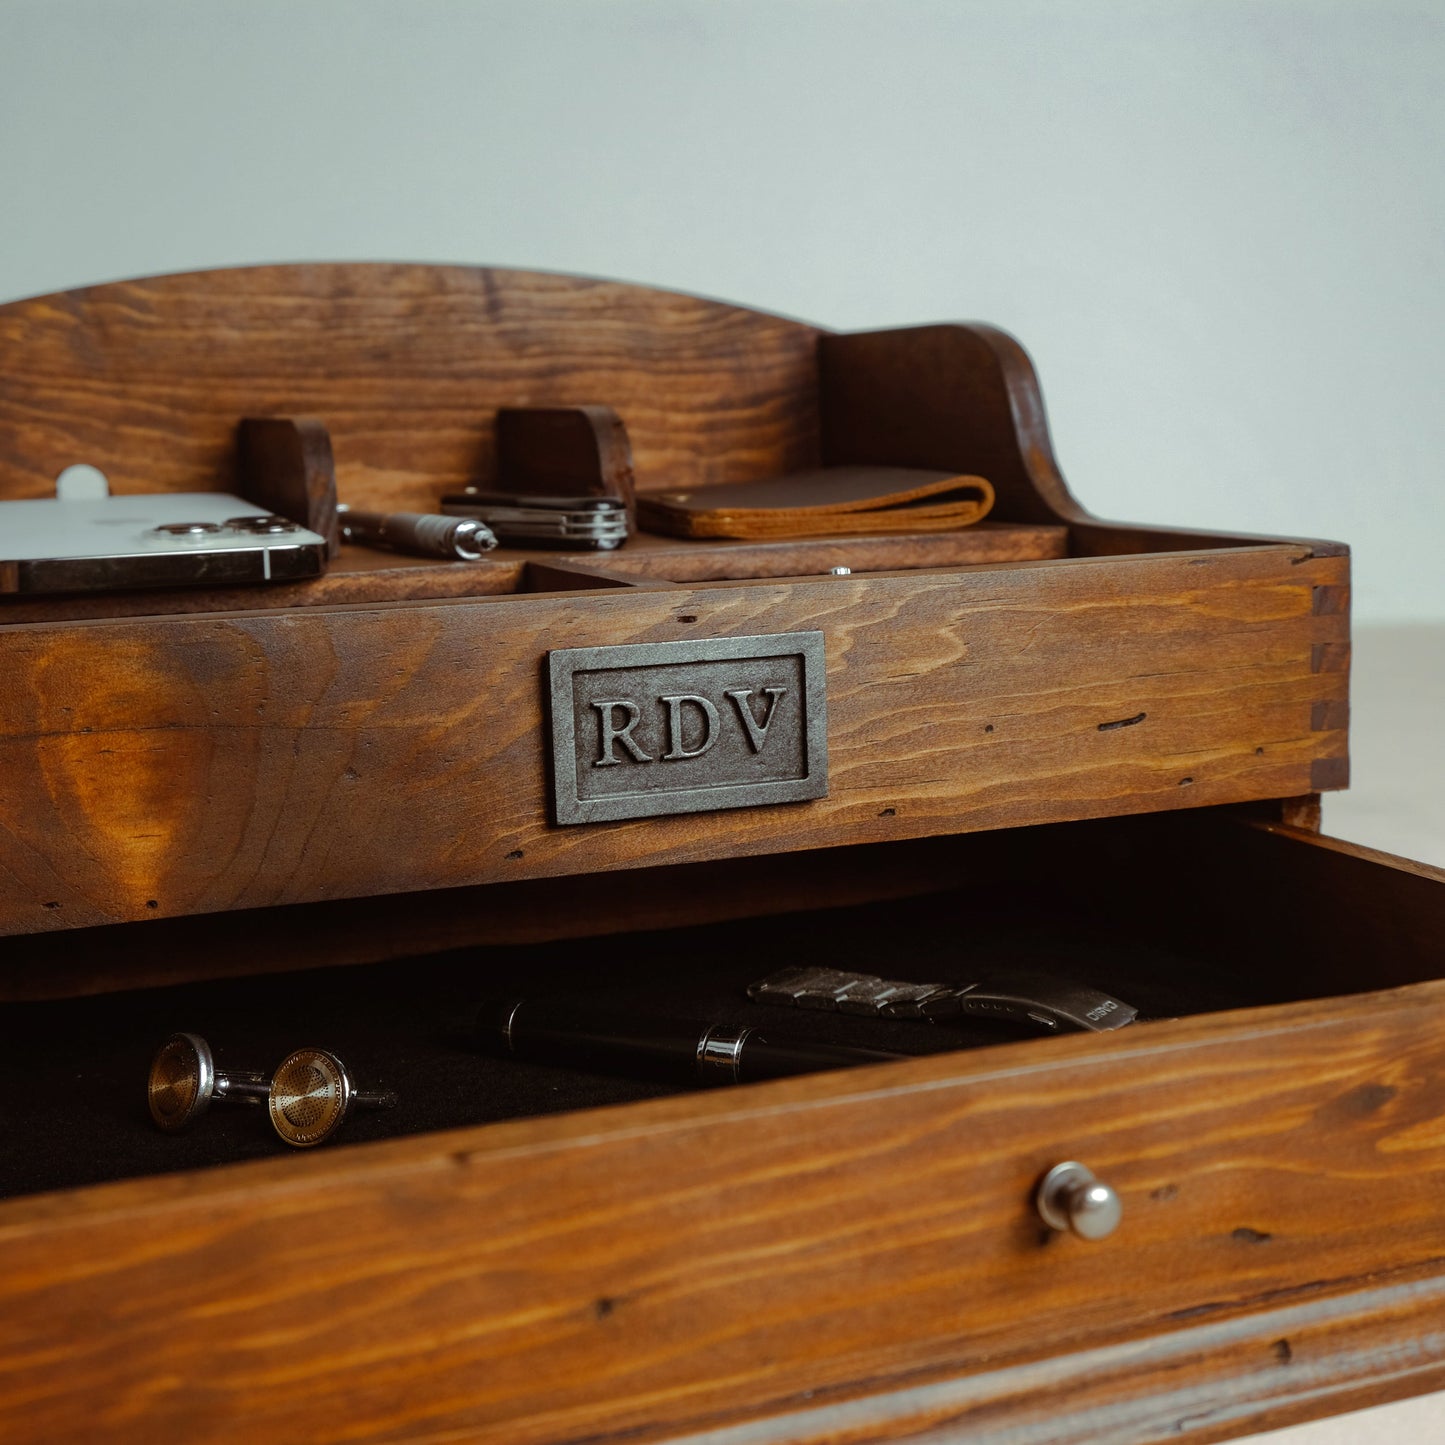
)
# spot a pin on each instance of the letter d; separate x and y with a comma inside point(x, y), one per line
point(676, 750)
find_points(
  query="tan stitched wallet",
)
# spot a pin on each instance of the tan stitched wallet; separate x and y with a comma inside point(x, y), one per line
point(824, 503)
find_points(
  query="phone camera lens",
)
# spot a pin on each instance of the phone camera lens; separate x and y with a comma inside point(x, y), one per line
point(265, 526)
point(186, 529)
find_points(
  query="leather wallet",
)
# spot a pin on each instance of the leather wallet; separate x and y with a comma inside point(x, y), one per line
point(825, 503)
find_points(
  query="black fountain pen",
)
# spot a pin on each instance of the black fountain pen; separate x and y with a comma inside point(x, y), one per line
point(573, 1034)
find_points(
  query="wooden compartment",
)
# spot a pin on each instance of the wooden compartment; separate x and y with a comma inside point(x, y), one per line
point(383, 730)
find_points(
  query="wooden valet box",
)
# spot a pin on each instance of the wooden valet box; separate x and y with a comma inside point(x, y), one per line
point(341, 813)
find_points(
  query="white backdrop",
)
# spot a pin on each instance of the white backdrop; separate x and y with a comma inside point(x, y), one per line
point(1216, 225)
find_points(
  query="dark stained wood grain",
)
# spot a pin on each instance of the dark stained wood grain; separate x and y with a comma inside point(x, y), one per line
point(577, 451)
point(955, 397)
point(1302, 812)
point(966, 397)
point(362, 574)
point(581, 577)
point(983, 544)
point(1273, 1367)
point(1303, 915)
point(1355, 917)
point(1091, 537)
point(406, 365)
point(344, 752)
point(285, 463)
point(692, 1263)
point(585, 905)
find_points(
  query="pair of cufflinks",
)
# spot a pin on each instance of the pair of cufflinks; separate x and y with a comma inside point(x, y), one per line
point(308, 1097)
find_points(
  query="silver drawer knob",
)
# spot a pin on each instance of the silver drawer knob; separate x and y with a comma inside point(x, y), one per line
point(1071, 1198)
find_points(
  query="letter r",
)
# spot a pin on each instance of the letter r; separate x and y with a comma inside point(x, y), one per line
point(611, 733)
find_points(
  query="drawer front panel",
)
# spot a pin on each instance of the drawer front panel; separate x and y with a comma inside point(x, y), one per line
point(182, 765)
point(681, 1264)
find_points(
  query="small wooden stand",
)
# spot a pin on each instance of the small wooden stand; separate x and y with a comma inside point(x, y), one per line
point(286, 464)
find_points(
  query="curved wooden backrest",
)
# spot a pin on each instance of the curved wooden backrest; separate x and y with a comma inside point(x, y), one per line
point(405, 364)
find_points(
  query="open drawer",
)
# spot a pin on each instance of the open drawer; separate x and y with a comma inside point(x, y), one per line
point(845, 1256)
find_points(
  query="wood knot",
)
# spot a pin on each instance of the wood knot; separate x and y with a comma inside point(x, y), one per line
point(1367, 1099)
point(1123, 722)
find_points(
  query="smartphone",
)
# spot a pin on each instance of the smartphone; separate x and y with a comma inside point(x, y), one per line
point(163, 539)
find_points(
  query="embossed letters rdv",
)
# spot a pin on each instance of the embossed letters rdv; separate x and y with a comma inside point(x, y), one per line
point(610, 733)
point(681, 727)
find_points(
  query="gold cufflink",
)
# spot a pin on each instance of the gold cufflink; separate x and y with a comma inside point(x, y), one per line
point(312, 1093)
point(184, 1082)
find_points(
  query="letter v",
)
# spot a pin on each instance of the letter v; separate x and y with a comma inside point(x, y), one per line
point(757, 734)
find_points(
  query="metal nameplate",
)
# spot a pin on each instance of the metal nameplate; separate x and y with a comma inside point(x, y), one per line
point(686, 727)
